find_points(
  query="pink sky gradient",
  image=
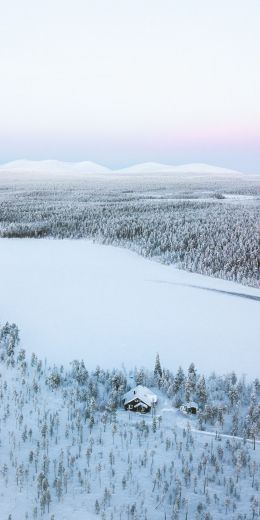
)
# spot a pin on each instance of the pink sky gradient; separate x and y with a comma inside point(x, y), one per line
point(120, 83)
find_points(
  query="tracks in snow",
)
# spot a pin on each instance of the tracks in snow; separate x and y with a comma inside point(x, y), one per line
point(211, 289)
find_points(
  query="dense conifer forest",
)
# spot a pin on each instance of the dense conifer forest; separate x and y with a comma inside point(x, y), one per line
point(206, 227)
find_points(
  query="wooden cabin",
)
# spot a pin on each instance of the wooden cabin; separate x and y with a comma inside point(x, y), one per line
point(139, 399)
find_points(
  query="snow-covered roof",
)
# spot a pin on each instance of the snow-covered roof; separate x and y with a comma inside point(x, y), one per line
point(191, 404)
point(143, 393)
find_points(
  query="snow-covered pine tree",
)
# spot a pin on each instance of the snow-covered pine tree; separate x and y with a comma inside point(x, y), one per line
point(202, 391)
point(157, 367)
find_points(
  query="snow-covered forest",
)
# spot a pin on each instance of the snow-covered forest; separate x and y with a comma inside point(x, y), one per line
point(69, 450)
point(208, 225)
point(129, 260)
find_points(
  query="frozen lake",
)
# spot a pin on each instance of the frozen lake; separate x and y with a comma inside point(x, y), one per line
point(75, 299)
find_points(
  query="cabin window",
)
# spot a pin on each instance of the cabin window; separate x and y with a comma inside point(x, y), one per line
point(130, 407)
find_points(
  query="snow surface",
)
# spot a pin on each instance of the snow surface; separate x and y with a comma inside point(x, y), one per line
point(73, 299)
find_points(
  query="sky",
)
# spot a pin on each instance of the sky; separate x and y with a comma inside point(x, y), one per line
point(126, 81)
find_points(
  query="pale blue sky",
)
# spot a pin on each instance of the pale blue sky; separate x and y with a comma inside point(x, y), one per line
point(124, 81)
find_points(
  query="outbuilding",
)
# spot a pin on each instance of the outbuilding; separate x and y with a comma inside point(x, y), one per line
point(190, 407)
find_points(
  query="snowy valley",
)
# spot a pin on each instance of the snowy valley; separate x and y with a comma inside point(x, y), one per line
point(129, 260)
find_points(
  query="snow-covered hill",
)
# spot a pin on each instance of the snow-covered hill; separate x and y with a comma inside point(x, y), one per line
point(53, 167)
point(68, 450)
point(87, 167)
point(194, 168)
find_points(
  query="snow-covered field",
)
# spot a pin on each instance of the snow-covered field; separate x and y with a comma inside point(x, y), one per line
point(109, 306)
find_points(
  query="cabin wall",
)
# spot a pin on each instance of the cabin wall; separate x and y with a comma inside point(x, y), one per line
point(131, 406)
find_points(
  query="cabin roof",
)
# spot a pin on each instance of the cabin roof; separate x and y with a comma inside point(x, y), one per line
point(141, 392)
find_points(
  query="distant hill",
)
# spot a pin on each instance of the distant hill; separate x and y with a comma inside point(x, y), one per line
point(52, 166)
point(88, 167)
point(196, 168)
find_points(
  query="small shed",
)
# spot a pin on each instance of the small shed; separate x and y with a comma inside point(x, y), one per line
point(139, 399)
point(189, 408)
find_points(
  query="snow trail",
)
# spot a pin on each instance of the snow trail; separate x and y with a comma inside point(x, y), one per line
point(230, 293)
